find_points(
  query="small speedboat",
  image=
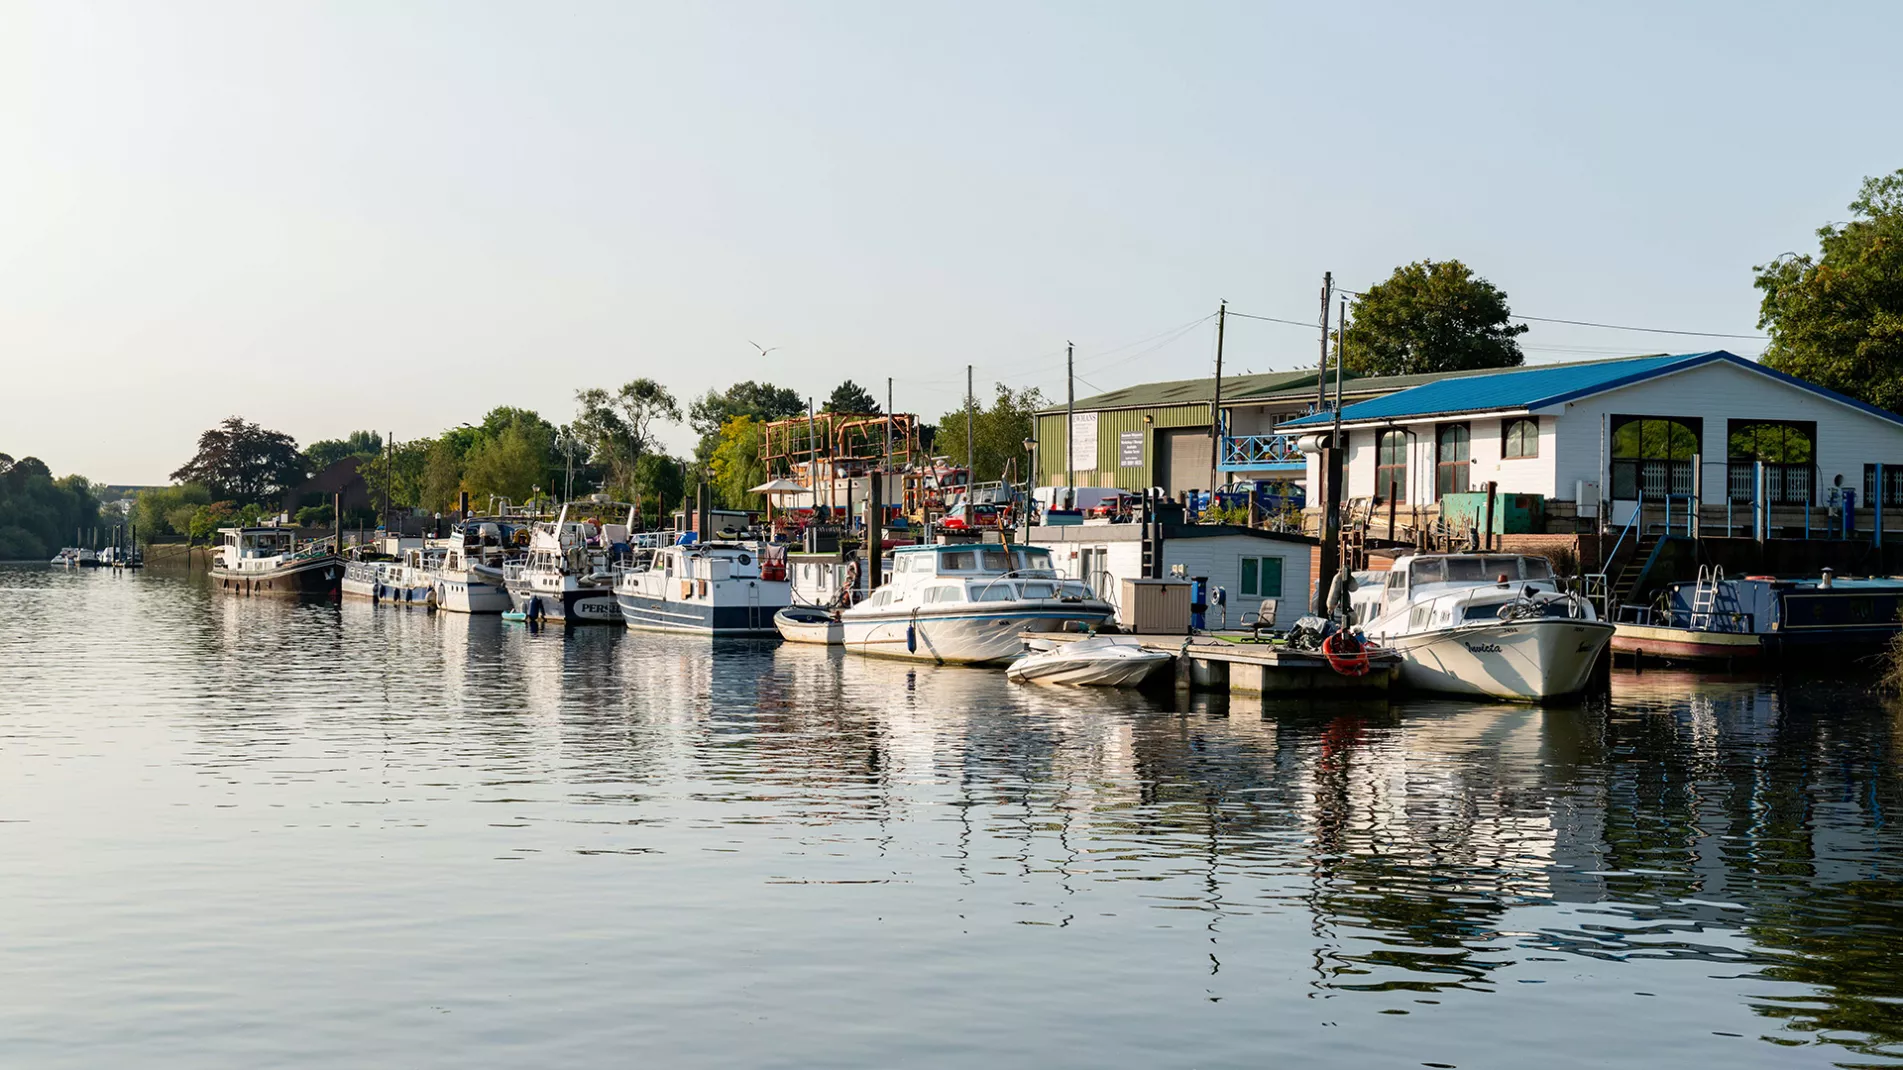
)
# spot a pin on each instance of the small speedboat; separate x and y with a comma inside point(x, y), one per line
point(1100, 661)
point(809, 624)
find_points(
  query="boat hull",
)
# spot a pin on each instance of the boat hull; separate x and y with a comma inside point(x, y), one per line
point(471, 594)
point(960, 638)
point(804, 625)
point(1527, 660)
point(576, 605)
point(313, 577)
point(1128, 669)
point(698, 618)
point(1686, 644)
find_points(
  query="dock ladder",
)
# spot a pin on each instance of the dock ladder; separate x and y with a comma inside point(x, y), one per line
point(1705, 596)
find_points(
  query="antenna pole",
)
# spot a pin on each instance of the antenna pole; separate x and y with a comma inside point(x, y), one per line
point(1215, 407)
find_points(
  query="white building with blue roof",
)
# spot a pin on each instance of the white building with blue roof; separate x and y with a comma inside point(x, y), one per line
point(1658, 429)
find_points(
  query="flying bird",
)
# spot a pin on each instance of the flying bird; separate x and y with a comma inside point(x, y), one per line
point(764, 350)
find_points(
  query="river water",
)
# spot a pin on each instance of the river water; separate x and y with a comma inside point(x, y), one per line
point(248, 833)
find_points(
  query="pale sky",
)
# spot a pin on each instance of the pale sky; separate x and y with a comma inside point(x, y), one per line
point(397, 215)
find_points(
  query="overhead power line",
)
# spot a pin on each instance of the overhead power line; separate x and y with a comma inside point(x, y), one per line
point(1619, 327)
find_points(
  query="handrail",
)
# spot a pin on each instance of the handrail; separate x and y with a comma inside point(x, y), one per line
point(1638, 513)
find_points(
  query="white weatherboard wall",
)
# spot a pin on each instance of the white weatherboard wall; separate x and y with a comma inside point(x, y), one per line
point(1847, 437)
point(1574, 437)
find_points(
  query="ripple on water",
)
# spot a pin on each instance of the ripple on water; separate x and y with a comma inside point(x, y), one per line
point(244, 832)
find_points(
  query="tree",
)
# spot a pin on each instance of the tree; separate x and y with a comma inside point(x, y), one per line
point(735, 465)
point(850, 397)
point(244, 462)
point(156, 511)
point(619, 427)
point(323, 453)
point(1837, 319)
point(40, 514)
point(998, 433)
point(659, 478)
point(763, 402)
point(1431, 316)
point(512, 464)
point(398, 471)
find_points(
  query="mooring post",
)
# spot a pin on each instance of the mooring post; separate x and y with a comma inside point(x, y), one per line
point(1876, 507)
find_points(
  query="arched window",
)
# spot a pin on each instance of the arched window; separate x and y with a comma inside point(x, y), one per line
point(1452, 451)
point(1390, 459)
point(1520, 438)
point(1653, 454)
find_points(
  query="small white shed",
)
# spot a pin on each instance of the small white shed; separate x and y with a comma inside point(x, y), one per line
point(1248, 564)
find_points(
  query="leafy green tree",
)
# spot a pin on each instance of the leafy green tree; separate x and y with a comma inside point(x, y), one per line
point(511, 464)
point(619, 427)
point(1837, 318)
point(443, 471)
point(658, 477)
point(850, 397)
point(763, 402)
point(1431, 316)
point(244, 462)
point(40, 514)
point(736, 466)
point(399, 471)
point(998, 433)
point(323, 453)
point(156, 511)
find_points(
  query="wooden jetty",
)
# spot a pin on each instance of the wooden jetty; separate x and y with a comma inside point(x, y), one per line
point(1211, 663)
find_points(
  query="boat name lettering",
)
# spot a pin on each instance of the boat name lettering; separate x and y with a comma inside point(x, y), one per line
point(1482, 648)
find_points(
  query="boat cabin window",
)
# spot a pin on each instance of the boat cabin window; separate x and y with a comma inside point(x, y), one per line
point(1040, 590)
point(1432, 570)
point(946, 593)
point(997, 561)
point(1397, 579)
point(992, 592)
point(879, 597)
point(958, 561)
point(1034, 559)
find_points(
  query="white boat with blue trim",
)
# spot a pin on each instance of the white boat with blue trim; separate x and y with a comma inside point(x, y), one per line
point(568, 577)
point(966, 604)
point(707, 588)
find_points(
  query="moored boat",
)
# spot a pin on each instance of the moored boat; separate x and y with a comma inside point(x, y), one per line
point(1099, 661)
point(966, 604)
point(1495, 625)
point(711, 588)
point(568, 576)
point(268, 561)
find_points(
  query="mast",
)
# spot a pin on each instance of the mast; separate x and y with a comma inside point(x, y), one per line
point(1070, 425)
point(1215, 407)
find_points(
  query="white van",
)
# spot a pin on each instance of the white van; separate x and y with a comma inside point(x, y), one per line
point(1086, 497)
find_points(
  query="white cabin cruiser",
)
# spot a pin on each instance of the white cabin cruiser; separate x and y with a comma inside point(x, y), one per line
point(965, 604)
point(1099, 661)
point(1484, 624)
point(707, 588)
point(568, 576)
point(469, 577)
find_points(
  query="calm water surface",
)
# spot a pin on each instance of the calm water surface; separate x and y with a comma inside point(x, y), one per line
point(245, 833)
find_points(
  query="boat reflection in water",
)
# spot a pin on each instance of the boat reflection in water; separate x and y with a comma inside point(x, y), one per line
point(1701, 861)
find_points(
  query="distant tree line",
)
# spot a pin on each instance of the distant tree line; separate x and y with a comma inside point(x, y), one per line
point(40, 514)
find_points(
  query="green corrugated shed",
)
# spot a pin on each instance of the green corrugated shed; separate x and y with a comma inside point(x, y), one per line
point(1105, 468)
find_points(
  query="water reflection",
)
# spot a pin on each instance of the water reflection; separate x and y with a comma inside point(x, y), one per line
point(1718, 845)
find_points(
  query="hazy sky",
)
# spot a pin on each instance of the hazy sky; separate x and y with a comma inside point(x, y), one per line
point(397, 215)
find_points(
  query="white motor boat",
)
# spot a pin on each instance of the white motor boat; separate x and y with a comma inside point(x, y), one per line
point(469, 578)
point(568, 576)
point(1484, 624)
point(810, 624)
point(707, 588)
point(966, 604)
point(1099, 661)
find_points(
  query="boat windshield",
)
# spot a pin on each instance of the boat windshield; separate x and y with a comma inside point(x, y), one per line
point(1479, 568)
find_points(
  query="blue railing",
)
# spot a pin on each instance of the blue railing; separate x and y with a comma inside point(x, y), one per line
point(1249, 451)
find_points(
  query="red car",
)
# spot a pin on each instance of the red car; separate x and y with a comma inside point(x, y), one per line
point(970, 517)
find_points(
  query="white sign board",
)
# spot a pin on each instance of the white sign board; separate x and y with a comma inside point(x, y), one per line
point(1083, 441)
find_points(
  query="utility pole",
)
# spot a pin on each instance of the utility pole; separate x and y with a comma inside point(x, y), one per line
point(1341, 355)
point(812, 455)
point(1321, 373)
point(888, 423)
point(1070, 425)
point(1215, 408)
point(971, 416)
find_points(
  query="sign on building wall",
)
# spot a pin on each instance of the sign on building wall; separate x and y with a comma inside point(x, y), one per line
point(1130, 449)
point(1083, 440)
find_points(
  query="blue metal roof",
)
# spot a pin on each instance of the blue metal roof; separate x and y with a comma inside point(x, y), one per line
point(1553, 384)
